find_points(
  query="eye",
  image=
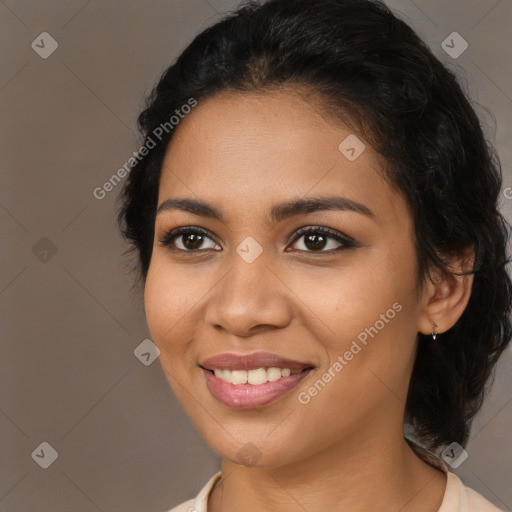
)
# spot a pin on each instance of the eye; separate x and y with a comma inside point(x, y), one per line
point(188, 239)
point(316, 238)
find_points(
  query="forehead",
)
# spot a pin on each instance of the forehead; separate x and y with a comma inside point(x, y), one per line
point(242, 149)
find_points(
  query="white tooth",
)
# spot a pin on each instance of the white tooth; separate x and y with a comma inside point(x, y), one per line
point(238, 377)
point(257, 377)
point(273, 374)
point(254, 377)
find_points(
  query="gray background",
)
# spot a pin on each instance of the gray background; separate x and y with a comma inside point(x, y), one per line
point(68, 373)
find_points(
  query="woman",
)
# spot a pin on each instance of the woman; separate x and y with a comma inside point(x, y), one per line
point(314, 213)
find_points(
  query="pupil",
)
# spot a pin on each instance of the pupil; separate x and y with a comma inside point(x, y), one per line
point(310, 240)
point(193, 241)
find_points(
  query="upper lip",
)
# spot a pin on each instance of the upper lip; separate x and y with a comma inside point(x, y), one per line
point(233, 361)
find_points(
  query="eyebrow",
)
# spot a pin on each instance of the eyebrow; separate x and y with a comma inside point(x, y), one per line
point(278, 212)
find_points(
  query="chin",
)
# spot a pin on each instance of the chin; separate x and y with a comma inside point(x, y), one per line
point(254, 451)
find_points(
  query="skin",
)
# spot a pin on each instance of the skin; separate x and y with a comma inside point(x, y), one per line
point(344, 450)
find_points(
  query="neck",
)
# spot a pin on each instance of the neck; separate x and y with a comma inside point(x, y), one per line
point(384, 475)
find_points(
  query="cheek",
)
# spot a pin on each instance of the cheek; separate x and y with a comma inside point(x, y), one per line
point(370, 314)
point(154, 300)
point(174, 303)
point(349, 301)
point(167, 304)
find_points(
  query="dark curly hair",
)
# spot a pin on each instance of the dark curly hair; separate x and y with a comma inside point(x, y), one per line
point(374, 73)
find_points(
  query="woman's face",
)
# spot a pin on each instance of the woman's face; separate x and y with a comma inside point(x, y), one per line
point(248, 285)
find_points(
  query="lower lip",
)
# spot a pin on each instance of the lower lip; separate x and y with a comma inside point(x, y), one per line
point(249, 396)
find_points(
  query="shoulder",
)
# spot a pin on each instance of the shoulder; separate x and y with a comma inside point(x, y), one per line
point(459, 498)
point(476, 502)
point(187, 506)
point(198, 504)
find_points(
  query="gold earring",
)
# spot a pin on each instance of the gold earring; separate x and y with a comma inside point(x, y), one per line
point(434, 334)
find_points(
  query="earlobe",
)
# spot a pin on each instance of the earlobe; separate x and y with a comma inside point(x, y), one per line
point(446, 296)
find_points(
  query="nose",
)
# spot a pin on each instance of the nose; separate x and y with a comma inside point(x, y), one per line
point(250, 298)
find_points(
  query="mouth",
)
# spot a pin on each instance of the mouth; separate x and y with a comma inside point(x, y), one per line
point(255, 377)
point(250, 381)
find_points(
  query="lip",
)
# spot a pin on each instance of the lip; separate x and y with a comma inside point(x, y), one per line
point(234, 361)
point(249, 396)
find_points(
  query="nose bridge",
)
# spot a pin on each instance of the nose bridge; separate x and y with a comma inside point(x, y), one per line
point(249, 277)
point(249, 294)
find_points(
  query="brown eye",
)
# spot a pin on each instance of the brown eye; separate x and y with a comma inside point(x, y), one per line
point(188, 239)
point(316, 239)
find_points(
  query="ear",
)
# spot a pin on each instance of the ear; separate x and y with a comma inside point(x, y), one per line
point(445, 296)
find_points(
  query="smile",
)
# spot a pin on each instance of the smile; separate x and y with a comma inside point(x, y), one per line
point(248, 381)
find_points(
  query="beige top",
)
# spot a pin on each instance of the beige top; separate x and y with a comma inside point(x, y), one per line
point(457, 498)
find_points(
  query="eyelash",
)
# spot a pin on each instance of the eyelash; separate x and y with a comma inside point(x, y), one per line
point(346, 242)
